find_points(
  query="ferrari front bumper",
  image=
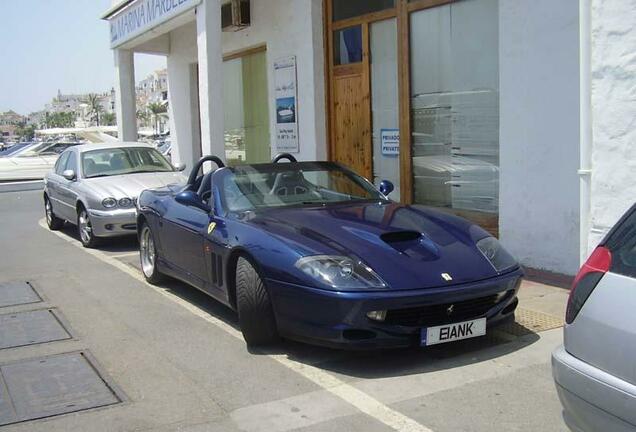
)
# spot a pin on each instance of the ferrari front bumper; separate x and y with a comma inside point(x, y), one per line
point(339, 319)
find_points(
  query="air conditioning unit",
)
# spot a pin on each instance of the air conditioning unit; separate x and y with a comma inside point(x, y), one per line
point(235, 15)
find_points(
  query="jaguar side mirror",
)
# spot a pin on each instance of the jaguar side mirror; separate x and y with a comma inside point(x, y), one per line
point(386, 187)
point(192, 199)
point(69, 175)
point(180, 167)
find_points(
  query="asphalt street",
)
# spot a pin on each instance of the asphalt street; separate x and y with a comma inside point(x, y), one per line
point(123, 355)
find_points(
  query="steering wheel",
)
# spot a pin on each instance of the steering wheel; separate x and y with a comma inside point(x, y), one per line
point(195, 170)
point(287, 156)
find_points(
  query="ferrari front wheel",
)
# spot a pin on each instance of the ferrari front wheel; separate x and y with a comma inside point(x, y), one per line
point(256, 315)
point(148, 255)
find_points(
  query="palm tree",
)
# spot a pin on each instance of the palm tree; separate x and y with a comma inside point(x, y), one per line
point(142, 116)
point(95, 107)
point(108, 119)
point(156, 108)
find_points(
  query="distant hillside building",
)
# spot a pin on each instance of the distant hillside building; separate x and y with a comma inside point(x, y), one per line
point(9, 122)
point(78, 104)
point(153, 90)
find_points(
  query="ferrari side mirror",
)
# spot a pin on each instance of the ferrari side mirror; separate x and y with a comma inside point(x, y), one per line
point(386, 187)
point(192, 199)
point(180, 167)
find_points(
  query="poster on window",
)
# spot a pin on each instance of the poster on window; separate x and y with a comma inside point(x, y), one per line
point(286, 105)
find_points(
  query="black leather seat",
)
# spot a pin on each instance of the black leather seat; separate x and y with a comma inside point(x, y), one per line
point(205, 188)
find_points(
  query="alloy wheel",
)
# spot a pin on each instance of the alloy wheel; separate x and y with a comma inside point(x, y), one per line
point(49, 212)
point(85, 227)
point(147, 252)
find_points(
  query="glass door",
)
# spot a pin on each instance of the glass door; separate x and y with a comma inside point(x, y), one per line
point(384, 103)
point(246, 115)
point(455, 109)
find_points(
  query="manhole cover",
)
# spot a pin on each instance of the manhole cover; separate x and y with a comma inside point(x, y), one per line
point(49, 386)
point(29, 328)
point(17, 293)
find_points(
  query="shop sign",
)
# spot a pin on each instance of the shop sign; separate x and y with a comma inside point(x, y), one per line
point(390, 140)
point(286, 105)
point(143, 15)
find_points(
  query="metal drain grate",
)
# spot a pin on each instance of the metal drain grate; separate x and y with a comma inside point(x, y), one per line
point(17, 293)
point(50, 386)
point(30, 328)
point(528, 321)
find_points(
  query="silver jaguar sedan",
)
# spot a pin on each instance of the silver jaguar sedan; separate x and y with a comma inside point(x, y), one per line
point(96, 187)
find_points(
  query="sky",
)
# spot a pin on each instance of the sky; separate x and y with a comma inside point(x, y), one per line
point(46, 45)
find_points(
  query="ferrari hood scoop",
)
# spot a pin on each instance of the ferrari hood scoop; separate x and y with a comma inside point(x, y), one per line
point(411, 243)
point(400, 236)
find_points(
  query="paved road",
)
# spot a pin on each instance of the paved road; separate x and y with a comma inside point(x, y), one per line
point(175, 359)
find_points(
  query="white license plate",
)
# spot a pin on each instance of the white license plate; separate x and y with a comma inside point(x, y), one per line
point(453, 332)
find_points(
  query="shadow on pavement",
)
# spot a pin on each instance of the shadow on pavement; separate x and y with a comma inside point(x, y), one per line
point(359, 364)
point(371, 364)
point(123, 244)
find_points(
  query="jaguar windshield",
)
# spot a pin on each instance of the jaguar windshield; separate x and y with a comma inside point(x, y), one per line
point(250, 187)
point(123, 160)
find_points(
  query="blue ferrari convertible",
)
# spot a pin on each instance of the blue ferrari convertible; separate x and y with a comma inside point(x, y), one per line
point(312, 251)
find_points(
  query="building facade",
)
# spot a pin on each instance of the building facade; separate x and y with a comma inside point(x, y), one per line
point(10, 121)
point(151, 94)
point(515, 114)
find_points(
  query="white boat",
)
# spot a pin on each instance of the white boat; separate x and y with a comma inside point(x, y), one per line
point(32, 163)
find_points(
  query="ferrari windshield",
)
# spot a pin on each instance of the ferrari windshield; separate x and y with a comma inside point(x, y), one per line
point(251, 187)
point(122, 160)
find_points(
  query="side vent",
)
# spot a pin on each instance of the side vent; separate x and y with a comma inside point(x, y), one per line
point(213, 269)
point(216, 270)
point(219, 270)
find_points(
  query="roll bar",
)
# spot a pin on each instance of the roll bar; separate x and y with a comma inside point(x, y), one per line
point(287, 156)
point(193, 175)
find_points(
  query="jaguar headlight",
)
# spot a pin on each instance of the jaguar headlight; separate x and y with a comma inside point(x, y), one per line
point(340, 272)
point(495, 253)
point(125, 202)
point(109, 203)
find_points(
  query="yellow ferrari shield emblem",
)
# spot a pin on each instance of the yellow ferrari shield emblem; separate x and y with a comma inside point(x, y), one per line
point(211, 227)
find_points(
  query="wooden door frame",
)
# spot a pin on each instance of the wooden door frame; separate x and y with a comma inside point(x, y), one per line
point(401, 11)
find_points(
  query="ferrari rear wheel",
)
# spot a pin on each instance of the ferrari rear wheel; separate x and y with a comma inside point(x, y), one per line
point(148, 255)
point(85, 229)
point(54, 223)
point(256, 315)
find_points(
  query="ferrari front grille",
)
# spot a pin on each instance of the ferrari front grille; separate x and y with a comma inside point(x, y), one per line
point(444, 313)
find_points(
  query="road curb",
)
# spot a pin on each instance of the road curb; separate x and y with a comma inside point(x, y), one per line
point(22, 186)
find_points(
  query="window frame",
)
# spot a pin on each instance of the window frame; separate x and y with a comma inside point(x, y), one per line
point(61, 160)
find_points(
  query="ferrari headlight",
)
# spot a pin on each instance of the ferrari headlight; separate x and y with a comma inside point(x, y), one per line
point(109, 203)
point(340, 272)
point(495, 253)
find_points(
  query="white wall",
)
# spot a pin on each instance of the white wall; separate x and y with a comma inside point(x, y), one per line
point(287, 27)
point(613, 113)
point(539, 132)
point(291, 27)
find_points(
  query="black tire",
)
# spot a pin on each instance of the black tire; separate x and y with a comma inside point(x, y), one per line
point(54, 223)
point(88, 239)
point(256, 315)
point(146, 247)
